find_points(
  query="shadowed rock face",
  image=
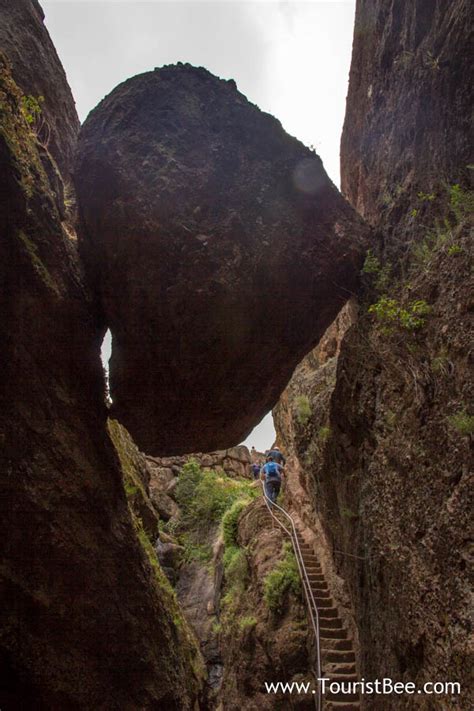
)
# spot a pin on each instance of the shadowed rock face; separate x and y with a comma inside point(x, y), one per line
point(408, 119)
point(37, 70)
point(222, 251)
point(86, 621)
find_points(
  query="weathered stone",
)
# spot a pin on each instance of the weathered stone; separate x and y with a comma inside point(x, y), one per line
point(38, 72)
point(222, 250)
point(85, 621)
point(408, 119)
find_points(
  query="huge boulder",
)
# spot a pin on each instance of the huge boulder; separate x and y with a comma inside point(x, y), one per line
point(220, 249)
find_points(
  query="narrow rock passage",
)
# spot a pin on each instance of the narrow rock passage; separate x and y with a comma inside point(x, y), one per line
point(337, 655)
point(337, 651)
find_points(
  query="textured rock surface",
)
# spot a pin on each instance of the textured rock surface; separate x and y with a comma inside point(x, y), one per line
point(86, 622)
point(383, 459)
point(222, 251)
point(385, 481)
point(258, 645)
point(38, 72)
point(408, 118)
point(234, 461)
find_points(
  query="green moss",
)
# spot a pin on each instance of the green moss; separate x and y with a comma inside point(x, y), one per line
point(247, 622)
point(230, 522)
point(186, 643)
point(303, 409)
point(348, 513)
point(462, 422)
point(323, 434)
point(281, 581)
point(129, 459)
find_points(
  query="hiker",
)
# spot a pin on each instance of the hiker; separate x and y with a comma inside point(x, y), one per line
point(255, 470)
point(271, 475)
point(276, 456)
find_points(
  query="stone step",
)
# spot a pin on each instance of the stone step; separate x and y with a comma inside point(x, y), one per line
point(310, 557)
point(334, 669)
point(318, 587)
point(312, 569)
point(338, 656)
point(341, 705)
point(343, 678)
point(316, 577)
point(326, 613)
point(320, 594)
point(322, 601)
point(332, 633)
point(330, 623)
point(340, 696)
point(337, 644)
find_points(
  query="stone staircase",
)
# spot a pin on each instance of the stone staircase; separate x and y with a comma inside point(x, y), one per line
point(337, 652)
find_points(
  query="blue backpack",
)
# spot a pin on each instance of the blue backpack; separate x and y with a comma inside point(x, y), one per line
point(272, 470)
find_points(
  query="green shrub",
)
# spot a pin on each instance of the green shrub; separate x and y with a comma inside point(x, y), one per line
point(391, 313)
point(380, 275)
point(282, 580)
point(31, 108)
point(247, 622)
point(462, 422)
point(426, 197)
point(461, 201)
point(196, 552)
point(230, 522)
point(235, 567)
point(324, 433)
point(440, 363)
point(303, 409)
point(205, 495)
point(371, 263)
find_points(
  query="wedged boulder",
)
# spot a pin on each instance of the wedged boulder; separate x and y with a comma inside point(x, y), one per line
point(220, 251)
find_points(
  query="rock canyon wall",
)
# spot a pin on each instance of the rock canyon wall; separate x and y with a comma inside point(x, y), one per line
point(380, 422)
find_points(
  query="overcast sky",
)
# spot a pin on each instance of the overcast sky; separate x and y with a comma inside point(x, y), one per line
point(291, 58)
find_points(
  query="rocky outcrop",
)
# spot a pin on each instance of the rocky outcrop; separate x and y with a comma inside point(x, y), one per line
point(222, 251)
point(235, 462)
point(408, 118)
point(38, 72)
point(88, 620)
point(382, 431)
point(380, 452)
point(259, 644)
point(136, 479)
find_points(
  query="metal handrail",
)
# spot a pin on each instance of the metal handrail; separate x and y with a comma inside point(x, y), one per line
point(310, 602)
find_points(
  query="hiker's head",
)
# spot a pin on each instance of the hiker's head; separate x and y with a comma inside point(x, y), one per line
point(276, 449)
point(270, 459)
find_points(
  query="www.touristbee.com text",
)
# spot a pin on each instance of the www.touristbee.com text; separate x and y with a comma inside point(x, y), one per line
point(378, 686)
